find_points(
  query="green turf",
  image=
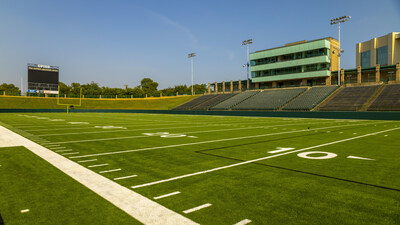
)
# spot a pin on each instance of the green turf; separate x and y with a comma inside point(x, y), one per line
point(29, 182)
point(283, 189)
point(164, 103)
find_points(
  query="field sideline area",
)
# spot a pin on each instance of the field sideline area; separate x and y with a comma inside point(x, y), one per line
point(209, 169)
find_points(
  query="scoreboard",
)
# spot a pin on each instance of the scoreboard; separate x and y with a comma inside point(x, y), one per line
point(43, 79)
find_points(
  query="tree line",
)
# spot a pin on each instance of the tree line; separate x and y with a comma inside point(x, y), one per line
point(147, 87)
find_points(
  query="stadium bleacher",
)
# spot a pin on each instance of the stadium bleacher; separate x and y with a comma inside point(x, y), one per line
point(229, 103)
point(388, 100)
point(213, 101)
point(190, 104)
point(310, 98)
point(349, 98)
point(269, 99)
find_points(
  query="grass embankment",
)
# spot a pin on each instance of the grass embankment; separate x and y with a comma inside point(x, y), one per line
point(163, 103)
point(52, 197)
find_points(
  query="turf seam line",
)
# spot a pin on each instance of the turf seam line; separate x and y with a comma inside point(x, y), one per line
point(255, 160)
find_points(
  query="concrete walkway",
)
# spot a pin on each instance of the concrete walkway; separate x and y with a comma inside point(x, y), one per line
point(134, 204)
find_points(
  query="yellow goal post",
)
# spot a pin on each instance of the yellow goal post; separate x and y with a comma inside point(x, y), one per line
point(68, 105)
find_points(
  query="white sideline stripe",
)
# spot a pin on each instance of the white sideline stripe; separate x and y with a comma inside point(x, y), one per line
point(197, 208)
point(66, 150)
point(126, 177)
point(167, 195)
point(141, 208)
point(205, 142)
point(243, 222)
point(109, 171)
point(24, 210)
point(356, 157)
point(259, 159)
point(70, 153)
point(105, 164)
point(89, 160)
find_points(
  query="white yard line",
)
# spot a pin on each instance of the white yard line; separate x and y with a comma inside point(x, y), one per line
point(211, 141)
point(65, 150)
point(125, 177)
point(243, 222)
point(70, 153)
point(110, 171)
point(167, 195)
point(259, 159)
point(197, 208)
point(104, 164)
point(24, 210)
point(356, 157)
point(56, 148)
point(89, 160)
point(143, 209)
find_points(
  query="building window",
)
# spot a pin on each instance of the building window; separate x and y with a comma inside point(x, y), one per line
point(382, 55)
point(366, 59)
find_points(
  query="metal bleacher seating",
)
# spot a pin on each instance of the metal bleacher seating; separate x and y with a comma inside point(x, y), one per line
point(213, 101)
point(190, 104)
point(311, 98)
point(227, 104)
point(388, 100)
point(269, 99)
point(349, 98)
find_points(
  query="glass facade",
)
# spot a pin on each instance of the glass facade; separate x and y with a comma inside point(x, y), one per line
point(382, 55)
point(366, 59)
point(293, 56)
point(291, 70)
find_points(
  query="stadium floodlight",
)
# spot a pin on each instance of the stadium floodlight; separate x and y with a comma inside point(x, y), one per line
point(339, 20)
point(191, 56)
point(246, 43)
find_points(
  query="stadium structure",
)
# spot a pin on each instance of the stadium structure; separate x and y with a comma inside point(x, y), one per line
point(294, 148)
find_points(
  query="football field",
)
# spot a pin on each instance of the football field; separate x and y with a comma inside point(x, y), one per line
point(224, 169)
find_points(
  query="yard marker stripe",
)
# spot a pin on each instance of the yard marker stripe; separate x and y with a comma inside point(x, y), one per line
point(70, 153)
point(24, 210)
point(66, 150)
point(109, 171)
point(120, 178)
point(197, 208)
point(211, 141)
point(167, 195)
point(56, 148)
point(89, 160)
point(356, 157)
point(105, 164)
point(243, 222)
point(259, 159)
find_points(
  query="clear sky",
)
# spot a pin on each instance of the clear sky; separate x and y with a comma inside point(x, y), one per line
point(117, 42)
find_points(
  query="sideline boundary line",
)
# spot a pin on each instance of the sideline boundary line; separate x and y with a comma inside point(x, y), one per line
point(139, 207)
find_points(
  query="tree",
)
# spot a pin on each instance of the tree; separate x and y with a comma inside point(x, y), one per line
point(10, 89)
point(149, 87)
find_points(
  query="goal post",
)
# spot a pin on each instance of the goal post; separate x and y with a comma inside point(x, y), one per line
point(68, 105)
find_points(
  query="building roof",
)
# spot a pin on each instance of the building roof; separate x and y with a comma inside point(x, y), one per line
point(297, 43)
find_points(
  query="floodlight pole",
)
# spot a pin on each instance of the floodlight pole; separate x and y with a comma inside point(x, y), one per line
point(247, 42)
point(191, 55)
point(340, 51)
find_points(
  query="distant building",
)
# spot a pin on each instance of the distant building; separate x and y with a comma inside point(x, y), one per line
point(295, 64)
point(383, 50)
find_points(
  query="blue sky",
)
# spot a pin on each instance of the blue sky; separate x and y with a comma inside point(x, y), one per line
point(122, 41)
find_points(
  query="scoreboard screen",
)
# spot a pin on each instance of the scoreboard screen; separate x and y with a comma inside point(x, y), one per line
point(42, 78)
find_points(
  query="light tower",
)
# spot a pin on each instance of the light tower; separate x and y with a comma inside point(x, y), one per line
point(338, 21)
point(191, 55)
point(247, 42)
